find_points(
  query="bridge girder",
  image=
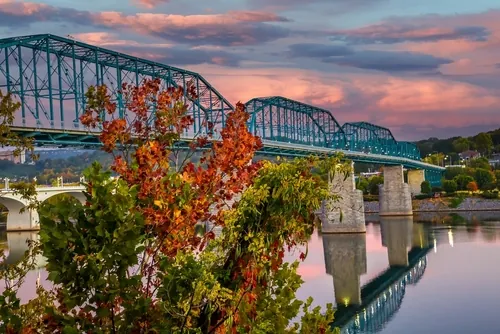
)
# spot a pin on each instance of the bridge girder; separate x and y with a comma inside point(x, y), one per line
point(281, 119)
point(371, 138)
point(50, 75)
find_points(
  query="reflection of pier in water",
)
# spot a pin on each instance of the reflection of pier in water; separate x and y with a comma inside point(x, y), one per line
point(15, 246)
point(367, 309)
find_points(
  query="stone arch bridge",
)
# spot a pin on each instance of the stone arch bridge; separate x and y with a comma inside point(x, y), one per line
point(28, 220)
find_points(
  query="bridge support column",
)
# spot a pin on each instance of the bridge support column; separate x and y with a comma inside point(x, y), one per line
point(394, 194)
point(397, 237)
point(415, 179)
point(345, 260)
point(347, 214)
point(27, 220)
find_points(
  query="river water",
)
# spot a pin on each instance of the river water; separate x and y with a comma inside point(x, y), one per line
point(427, 274)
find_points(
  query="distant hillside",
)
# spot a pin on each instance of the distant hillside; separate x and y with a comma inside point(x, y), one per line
point(455, 145)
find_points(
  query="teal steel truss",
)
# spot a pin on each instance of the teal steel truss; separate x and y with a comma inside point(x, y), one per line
point(371, 138)
point(49, 75)
point(281, 119)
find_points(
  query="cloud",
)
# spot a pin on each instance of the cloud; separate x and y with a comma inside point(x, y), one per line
point(334, 6)
point(162, 53)
point(13, 13)
point(150, 3)
point(234, 28)
point(390, 61)
point(394, 102)
point(314, 50)
point(387, 33)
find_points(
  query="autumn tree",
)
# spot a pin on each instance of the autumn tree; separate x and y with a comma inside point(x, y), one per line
point(472, 186)
point(130, 260)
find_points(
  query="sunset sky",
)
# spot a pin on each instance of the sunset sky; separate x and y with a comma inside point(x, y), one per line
point(422, 68)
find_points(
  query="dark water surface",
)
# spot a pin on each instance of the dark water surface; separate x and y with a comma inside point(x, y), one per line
point(427, 274)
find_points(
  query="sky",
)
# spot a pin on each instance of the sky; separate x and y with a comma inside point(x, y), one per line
point(427, 68)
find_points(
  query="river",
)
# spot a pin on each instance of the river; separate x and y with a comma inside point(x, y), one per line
point(428, 274)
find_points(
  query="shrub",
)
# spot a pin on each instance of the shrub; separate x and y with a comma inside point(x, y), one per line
point(451, 172)
point(472, 186)
point(363, 185)
point(449, 186)
point(462, 181)
point(490, 194)
point(423, 196)
point(456, 201)
point(374, 182)
point(436, 189)
point(483, 177)
point(489, 186)
point(425, 187)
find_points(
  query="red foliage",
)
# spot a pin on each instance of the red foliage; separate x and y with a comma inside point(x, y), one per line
point(225, 171)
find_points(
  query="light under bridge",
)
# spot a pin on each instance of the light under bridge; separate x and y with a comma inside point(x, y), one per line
point(49, 75)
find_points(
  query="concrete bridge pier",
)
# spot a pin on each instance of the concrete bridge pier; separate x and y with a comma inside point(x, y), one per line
point(347, 214)
point(415, 179)
point(397, 236)
point(345, 261)
point(394, 194)
point(27, 220)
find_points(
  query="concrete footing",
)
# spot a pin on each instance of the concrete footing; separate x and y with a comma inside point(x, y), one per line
point(394, 194)
point(347, 214)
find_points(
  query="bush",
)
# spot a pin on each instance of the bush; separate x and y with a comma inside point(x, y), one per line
point(483, 177)
point(449, 186)
point(490, 194)
point(456, 201)
point(451, 172)
point(437, 189)
point(462, 181)
point(425, 187)
point(472, 186)
point(423, 196)
point(489, 186)
point(374, 182)
point(363, 185)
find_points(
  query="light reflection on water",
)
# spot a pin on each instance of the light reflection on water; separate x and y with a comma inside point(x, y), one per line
point(428, 274)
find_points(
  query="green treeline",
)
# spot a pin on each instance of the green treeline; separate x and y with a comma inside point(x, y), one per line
point(484, 142)
point(46, 171)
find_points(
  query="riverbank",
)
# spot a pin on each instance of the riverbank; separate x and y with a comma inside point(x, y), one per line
point(445, 204)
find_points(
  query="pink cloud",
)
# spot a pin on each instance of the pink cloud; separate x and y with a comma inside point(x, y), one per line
point(150, 3)
point(389, 101)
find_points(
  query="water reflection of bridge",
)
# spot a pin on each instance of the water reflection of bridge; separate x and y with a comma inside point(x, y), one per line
point(369, 308)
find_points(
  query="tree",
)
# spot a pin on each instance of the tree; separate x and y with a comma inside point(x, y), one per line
point(481, 162)
point(462, 181)
point(484, 143)
point(451, 172)
point(374, 183)
point(483, 177)
point(435, 159)
point(130, 260)
point(472, 186)
point(8, 138)
point(363, 185)
point(461, 144)
point(449, 186)
point(425, 187)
